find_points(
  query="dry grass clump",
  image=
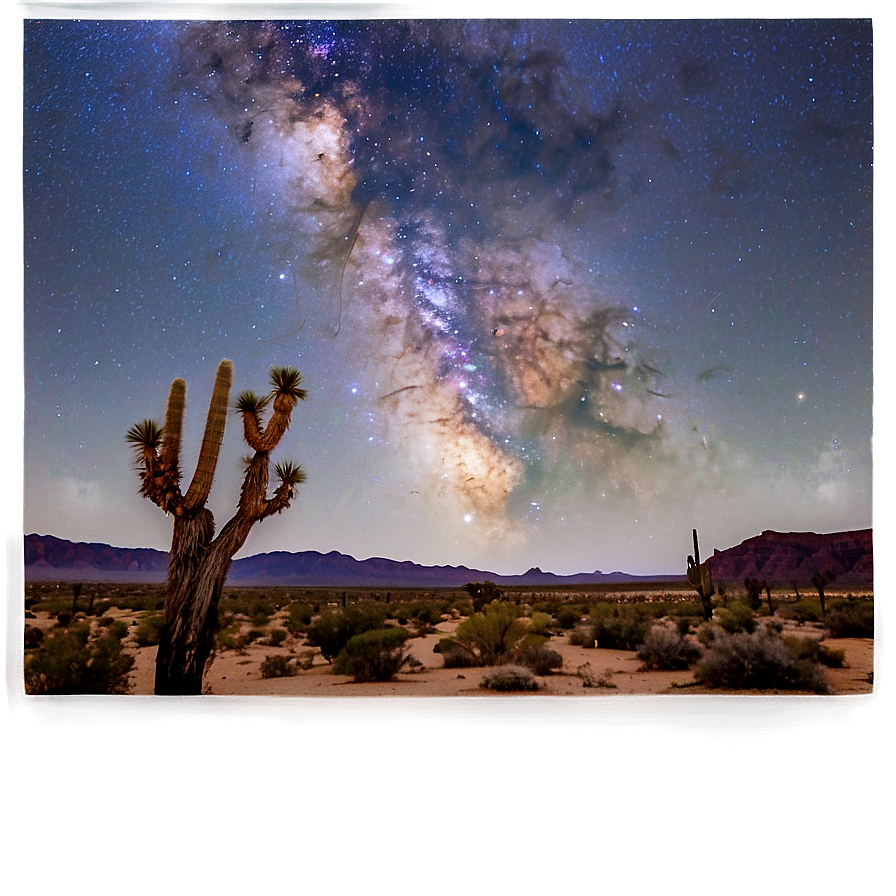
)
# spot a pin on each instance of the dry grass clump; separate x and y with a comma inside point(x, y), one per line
point(510, 678)
point(666, 648)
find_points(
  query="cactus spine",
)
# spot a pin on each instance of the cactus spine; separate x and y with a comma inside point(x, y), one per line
point(199, 561)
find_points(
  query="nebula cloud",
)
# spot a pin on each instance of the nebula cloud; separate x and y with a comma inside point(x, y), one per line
point(432, 184)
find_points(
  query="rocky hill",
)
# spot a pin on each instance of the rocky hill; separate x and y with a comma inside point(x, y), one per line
point(785, 557)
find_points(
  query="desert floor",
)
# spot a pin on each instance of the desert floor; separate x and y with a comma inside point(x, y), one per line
point(619, 671)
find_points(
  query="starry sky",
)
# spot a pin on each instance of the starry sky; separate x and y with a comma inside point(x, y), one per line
point(560, 291)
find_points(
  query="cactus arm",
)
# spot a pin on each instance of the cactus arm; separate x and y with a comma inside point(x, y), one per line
point(174, 421)
point(201, 484)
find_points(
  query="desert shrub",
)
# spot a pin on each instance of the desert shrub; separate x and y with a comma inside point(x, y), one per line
point(551, 607)
point(63, 618)
point(540, 623)
point(482, 594)
point(277, 637)
point(374, 655)
point(735, 617)
point(492, 634)
point(666, 648)
point(813, 650)
point(805, 610)
point(254, 634)
point(757, 661)
point(619, 627)
point(33, 637)
point(117, 628)
point(510, 678)
point(69, 662)
point(278, 666)
point(851, 619)
point(541, 660)
point(426, 612)
point(568, 617)
point(149, 630)
point(582, 636)
point(590, 680)
point(229, 638)
point(332, 631)
point(299, 616)
point(454, 655)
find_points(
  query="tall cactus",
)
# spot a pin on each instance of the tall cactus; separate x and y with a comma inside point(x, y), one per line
point(199, 561)
point(700, 579)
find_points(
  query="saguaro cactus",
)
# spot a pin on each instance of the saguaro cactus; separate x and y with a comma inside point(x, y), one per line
point(199, 561)
point(700, 579)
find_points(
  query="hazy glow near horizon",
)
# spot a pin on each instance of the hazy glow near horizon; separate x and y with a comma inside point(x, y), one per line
point(559, 291)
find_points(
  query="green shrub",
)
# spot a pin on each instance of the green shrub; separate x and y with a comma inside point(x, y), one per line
point(510, 678)
point(69, 662)
point(541, 660)
point(117, 628)
point(802, 611)
point(455, 655)
point(332, 631)
point(149, 630)
point(299, 616)
point(813, 650)
point(278, 666)
point(492, 634)
point(619, 627)
point(374, 655)
point(851, 619)
point(666, 648)
point(568, 617)
point(760, 661)
point(540, 623)
point(735, 617)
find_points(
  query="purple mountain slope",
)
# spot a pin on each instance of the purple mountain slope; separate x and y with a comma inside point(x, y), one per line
point(53, 559)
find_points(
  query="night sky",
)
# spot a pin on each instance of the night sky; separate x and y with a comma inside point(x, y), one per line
point(559, 291)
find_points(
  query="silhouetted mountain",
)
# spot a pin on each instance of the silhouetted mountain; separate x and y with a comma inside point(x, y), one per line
point(52, 559)
point(780, 557)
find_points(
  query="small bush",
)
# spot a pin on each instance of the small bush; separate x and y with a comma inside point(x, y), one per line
point(278, 666)
point(149, 631)
point(802, 611)
point(582, 636)
point(68, 662)
point(277, 637)
point(540, 623)
point(851, 619)
point(510, 678)
point(63, 618)
point(541, 660)
point(298, 617)
point(813, 650)
point(666, 648)
point(492, 634)
point(375, 655)
point(117, 628)
point(454, 655)
point(33, 637)
point(568, 617)
point(760, 661)
point(735, 617)
point(620, 628)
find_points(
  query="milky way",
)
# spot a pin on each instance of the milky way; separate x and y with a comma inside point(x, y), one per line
point(569, 277)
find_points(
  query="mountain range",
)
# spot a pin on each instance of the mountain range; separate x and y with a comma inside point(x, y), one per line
point(780, 557)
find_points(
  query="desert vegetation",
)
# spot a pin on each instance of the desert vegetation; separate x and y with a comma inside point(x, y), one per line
point(588, 641)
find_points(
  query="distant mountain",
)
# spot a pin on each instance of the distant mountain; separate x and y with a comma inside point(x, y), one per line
point(784, 557)
point(780, 557)
point(53, 559)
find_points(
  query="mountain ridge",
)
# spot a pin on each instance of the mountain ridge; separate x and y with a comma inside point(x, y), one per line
point(776, 557)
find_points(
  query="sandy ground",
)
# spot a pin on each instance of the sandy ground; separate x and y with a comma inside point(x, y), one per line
point(619, 671)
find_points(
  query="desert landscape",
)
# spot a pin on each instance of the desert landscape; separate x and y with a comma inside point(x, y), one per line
point(270, 642)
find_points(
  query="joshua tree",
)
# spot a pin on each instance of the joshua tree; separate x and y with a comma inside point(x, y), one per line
point(754, 589)
point(700, 579)
point(199, 561)
point(821, 580)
